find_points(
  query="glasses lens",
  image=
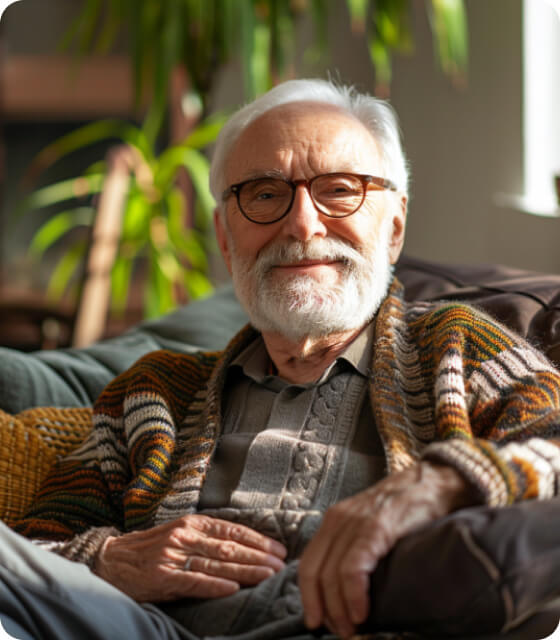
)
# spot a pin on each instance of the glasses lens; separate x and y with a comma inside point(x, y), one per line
point(265, 200)
point(338, 194)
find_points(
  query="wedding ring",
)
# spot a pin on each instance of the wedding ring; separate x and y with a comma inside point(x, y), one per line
point(187, 565)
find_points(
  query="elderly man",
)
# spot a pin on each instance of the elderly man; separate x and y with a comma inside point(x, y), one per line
point(339, 422)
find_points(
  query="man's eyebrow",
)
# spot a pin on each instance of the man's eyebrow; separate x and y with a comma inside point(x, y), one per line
point(267, 173)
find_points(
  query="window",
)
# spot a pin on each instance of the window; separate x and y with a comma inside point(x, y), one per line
point(541, 107)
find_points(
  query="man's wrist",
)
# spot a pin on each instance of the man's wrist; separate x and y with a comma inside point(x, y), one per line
point(457, 492)
point(99, 564)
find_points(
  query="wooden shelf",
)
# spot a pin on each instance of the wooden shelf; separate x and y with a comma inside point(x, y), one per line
point(56, 87)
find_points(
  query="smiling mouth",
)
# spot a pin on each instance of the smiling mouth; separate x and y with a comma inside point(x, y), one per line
point(303, 264)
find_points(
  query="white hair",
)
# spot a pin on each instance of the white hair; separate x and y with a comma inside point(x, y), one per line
point(376, 115)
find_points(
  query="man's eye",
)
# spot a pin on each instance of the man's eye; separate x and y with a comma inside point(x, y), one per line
point(266, 195)
point(339, 189)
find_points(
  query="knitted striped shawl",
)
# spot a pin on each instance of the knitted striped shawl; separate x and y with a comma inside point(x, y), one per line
point(446, 383)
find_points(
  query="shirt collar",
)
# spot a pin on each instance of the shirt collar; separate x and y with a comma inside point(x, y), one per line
point(254, 360)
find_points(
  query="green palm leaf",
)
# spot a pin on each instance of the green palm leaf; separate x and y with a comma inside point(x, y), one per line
point(84, 137)
point(57, 226)
point(62, 191)
point(67, 267)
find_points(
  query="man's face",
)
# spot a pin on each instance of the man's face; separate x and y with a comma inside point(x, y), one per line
point(308, 274)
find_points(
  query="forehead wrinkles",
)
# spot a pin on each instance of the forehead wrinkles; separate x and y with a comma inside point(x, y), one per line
point(297, 137)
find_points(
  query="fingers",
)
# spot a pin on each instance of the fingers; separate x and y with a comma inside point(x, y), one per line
point(354, 572)
point(334, 573)
point(230, 552)
point(359, 548)
point(224, 530)
point(337, 618)
point(243, 574)
point(314, 613)
point(356, 596)
point(230, 543)
point(184, 584)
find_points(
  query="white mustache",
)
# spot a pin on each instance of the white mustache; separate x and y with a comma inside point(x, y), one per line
point(324, 249)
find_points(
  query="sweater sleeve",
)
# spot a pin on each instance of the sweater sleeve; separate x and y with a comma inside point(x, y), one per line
point(77, 505)
point(114, 481)
point(497, 408)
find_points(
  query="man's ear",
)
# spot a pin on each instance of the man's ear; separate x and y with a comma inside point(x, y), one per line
point(399, 224)
point(222, 237)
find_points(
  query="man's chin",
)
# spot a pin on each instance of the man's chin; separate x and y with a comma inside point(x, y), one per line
point(295, 286)
point(305, 298)
point(298, 315)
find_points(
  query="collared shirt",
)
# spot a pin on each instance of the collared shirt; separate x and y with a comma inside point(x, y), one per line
point(297, 446)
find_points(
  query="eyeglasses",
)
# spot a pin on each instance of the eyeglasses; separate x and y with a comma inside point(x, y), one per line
point(337, 195)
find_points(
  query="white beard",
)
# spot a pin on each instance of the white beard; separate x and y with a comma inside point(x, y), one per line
point(299, 306)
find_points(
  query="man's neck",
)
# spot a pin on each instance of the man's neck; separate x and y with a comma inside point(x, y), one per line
point(305, 361)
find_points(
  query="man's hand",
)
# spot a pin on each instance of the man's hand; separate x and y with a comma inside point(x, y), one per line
point(334, 571)
point(149, 565)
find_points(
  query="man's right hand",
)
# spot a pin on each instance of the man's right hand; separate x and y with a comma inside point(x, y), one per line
point(149, 566)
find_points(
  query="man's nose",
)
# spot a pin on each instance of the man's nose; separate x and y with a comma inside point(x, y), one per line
point(303, 220)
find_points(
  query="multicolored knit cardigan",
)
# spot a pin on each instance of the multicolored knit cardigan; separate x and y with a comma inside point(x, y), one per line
point(447, 384)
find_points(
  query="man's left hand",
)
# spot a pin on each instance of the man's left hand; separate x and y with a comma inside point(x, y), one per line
point(335, 569)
